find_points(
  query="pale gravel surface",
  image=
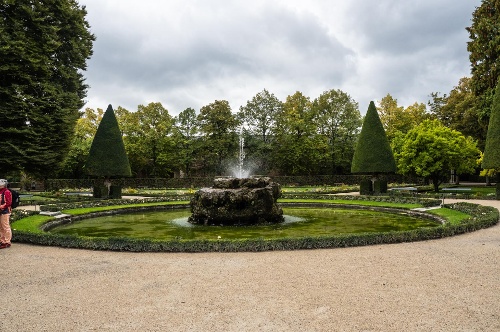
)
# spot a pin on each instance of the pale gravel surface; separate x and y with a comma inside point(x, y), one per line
point(450, 284)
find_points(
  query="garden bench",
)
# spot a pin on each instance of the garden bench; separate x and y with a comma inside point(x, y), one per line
point(78, 194)
point(412, 190)
point(26, 198)
point(453, 191)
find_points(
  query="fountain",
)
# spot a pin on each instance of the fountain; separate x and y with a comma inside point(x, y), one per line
point(237, 201)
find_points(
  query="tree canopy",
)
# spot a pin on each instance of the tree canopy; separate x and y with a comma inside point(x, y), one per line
point(373, 153)
point(484, 46)
point(44, 46)
point(338, 120)
point(484, 56)
point(432, 150)
point(219, 126)
point(107, 157)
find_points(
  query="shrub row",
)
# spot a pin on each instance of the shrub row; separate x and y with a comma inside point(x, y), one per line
point(393, 199)
point(482, 217)
point(110, 202)
point(199, 182)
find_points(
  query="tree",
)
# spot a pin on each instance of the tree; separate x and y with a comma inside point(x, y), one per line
point(373, 154)
point(484, 46)
point(185, 136)
point(389, 112)
point(154, 133)
point(85, 129)
point(484, 54)
point(298, 150)
point(218, 125)
point(107, 157)
point(491, 157)
point(432, 150)
point(44, 46)
point(397, 119)
point(459, 111)
point(338, 120)
point(258, 118)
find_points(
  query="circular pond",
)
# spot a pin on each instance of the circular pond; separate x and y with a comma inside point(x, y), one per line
point(299, 222)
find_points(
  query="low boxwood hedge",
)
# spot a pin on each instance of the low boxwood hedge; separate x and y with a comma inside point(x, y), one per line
point(481, 217)
point(111, 202)
point(425, 202)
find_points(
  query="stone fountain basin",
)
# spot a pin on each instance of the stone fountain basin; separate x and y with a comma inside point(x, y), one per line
point(235, 201)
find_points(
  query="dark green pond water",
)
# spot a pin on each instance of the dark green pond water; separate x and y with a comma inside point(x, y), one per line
point(299, 222)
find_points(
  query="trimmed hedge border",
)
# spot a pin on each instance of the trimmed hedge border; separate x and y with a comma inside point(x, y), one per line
point(425, 202)
point(482, 217)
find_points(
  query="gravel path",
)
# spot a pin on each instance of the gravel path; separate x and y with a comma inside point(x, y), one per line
point(450, 284)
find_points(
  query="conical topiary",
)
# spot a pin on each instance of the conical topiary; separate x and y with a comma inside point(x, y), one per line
point(373, 154)
point(491, 157)
point(107, 157)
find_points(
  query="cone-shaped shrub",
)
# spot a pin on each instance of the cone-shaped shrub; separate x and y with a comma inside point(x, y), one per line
point(373, 154)
point(491, 158)
point(107, 156)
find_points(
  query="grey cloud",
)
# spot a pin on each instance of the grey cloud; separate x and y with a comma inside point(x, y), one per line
point(189, 53)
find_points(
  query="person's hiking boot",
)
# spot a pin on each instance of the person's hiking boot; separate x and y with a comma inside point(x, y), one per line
point(4, 245)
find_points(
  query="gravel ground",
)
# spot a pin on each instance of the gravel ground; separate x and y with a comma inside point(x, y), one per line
point(450, 284)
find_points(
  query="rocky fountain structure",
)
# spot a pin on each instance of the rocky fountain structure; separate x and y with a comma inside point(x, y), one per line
point(237, 201)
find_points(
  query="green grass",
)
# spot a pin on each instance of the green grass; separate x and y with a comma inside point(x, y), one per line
point(454, 217)
point(31, 223)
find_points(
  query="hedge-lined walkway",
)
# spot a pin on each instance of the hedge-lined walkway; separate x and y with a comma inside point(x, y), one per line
point(450, 284)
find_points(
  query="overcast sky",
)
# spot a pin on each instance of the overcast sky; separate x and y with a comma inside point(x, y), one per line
point(189, 53)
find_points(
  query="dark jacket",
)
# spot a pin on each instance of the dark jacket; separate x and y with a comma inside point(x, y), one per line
point(6, 198)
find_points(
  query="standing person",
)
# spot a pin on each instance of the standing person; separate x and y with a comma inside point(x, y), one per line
point(5, 210)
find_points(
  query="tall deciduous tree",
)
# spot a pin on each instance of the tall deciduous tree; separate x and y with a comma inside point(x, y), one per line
point(218, 125)
point(397, 119)
point(154, 131)
point(373, 154)
point(484, 54)
point(85, 129)
point(458, 111)
point(186, 139)
point(484, 46)
point(44, 46)
point(258, 117)
point(297, 150)
point(432, 150)
point(338, 119)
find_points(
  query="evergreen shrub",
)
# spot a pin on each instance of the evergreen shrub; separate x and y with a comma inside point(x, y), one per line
point(380, 186)
point(366, 187)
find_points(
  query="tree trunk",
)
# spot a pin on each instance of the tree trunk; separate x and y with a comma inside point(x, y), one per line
point(435, 183)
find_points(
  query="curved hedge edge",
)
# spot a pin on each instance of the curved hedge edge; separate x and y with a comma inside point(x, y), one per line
point(482, 217)
point(53, 207)
point(62, 221)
